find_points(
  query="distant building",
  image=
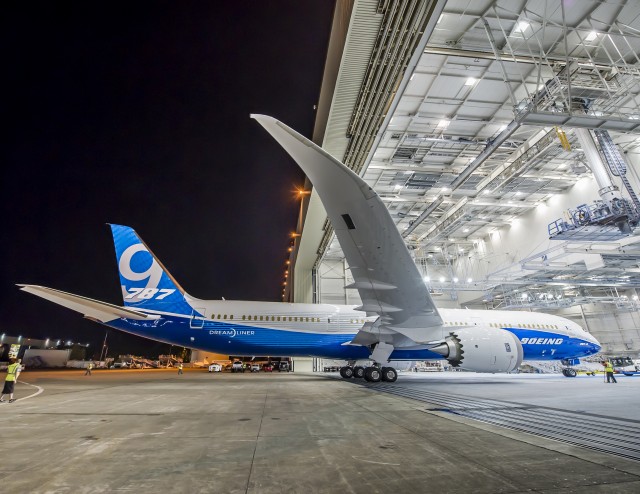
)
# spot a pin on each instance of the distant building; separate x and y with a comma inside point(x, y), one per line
point(16, 346)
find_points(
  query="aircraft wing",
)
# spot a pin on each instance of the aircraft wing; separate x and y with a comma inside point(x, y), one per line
point(384, 273)
point(92, 309)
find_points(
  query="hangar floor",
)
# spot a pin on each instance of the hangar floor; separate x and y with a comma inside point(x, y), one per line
point(155, 431)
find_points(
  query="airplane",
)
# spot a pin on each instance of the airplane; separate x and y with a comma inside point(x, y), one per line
point(397, 320)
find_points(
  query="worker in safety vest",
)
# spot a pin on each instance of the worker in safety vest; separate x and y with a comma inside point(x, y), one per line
point(180, 368)
point(608, 369)
point(13, 371)
point(89, 367)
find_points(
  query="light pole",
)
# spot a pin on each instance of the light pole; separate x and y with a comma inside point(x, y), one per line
point(104, 346)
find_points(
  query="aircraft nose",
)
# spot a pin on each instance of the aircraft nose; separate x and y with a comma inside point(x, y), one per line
point(594, 344)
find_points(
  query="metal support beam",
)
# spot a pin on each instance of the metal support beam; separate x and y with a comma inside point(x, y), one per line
point(425, 214)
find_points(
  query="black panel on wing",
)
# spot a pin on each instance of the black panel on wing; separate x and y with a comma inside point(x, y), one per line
point(348, 221)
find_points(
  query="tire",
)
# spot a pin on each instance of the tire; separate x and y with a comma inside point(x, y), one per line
point(389, 375)
point(358, 372)
point(372, 375)
point(346, 372)
point(569, 372)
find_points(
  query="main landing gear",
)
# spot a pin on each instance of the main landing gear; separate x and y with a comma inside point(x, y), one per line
point(372, 374)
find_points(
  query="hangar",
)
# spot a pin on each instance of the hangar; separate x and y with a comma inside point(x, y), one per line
point(503, 138)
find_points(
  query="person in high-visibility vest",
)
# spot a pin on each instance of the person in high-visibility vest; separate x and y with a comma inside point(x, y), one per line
point(13, 371)
point(89, 367)
point(608, 369)
point(180, 368)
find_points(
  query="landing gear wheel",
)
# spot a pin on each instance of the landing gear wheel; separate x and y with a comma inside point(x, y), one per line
point(358, 372)
point(372, 375)
point(389, 374)
point(346, 372)
point(569, 372)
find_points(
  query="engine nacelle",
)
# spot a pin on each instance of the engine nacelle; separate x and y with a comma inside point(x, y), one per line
point(482, 349)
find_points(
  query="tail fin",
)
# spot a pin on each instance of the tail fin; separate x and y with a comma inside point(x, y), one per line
point(146, 284)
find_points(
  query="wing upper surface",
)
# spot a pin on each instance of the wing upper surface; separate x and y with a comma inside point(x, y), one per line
point(385, 275)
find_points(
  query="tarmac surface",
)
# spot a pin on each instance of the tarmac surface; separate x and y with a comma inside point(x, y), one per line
point(157, 431)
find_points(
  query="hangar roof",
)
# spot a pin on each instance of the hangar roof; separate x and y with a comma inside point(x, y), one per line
point(461, 128)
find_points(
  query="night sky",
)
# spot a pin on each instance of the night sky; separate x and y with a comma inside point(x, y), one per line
point(137, 113)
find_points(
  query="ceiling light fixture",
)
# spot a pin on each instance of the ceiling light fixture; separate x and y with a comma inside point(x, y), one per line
point(591, 36)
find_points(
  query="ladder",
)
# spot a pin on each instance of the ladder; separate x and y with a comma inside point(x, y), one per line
point(616, 164)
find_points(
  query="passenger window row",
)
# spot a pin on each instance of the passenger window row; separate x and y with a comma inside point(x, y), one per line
point(362, 321)
point(528, 326)
point(268, 318)
point(504, 324)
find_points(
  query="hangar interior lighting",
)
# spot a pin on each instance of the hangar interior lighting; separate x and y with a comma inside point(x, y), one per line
point(500, 152)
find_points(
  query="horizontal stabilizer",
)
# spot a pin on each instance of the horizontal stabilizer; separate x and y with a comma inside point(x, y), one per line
point(93, 309)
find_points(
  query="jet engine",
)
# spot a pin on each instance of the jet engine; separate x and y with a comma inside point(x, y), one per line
point(482, 349)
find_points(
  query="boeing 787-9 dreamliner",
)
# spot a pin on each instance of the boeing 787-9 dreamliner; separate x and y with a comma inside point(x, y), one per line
point(397, 320)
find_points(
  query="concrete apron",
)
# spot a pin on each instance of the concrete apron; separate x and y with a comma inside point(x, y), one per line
point(135, 430)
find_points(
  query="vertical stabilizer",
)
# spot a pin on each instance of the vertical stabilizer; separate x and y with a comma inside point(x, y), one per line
point(145, 282)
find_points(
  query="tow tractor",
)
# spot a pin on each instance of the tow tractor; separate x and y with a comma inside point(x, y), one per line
point(574, 367)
